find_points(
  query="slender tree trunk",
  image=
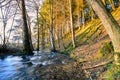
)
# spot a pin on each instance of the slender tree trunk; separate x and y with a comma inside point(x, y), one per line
point(112, 4)
point(58, 34)
point(29, 29)
point(82, 14)
point(91, 13)
point(83, 18)
point(26, 42)
point(30, 38)
point(79, 20)
point(111, 26)
point(71, 24)
point(104, 2)
point(43, 37)
point(51, 26)
point(78, 13)
point(38, 32)
point(62, 35)
point(4, 39)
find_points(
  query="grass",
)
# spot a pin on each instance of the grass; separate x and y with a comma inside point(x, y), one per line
point(68, 49)
point(113, 72)
point(106, 49)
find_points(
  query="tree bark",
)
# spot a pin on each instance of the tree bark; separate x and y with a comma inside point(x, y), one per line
point(71, 24)
point(4, 39)
point(38, 33)
point(43, 36)
point(112, 4)
point(91, 13)
point(111, 26)
point(29, 30)
point(26, 42)
point(51, 27)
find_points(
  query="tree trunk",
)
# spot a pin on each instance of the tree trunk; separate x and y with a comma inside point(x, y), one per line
point(71, 24)
point(26, 42)
point(29, 29)
point(83, 18)
point(4, 39)
point(91, 13)
point(111, 26)
point(112, 4)
point(51, 26)
point(63, 35)
point(38, 33)
point(59, 36)
point(43, 36)
point(78, 13)
point(104, 2)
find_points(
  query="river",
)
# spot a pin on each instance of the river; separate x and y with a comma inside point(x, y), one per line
point(23, 67)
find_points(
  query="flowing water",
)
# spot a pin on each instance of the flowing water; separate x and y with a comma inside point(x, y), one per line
point(23, 67)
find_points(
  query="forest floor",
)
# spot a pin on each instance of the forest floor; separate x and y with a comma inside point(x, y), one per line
point(87, 62)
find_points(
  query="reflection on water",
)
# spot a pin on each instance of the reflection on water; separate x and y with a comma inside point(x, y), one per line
point(22, 68)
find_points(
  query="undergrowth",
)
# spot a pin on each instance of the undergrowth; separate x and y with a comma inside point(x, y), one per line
point(106, 49)
point(113, 72)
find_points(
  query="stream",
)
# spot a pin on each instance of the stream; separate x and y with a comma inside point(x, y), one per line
point(23, 67)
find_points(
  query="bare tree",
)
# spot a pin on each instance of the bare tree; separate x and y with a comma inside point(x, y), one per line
point(5, 16)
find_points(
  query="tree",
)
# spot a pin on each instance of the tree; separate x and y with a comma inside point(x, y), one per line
point(37, 7)
point(51, 26)
point(111, 26)
point(5, 11)
point(71, 24)
point(27, 49)
point(29, 30)
point(8, 11)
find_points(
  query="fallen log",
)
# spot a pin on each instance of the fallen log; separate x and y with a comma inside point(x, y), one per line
point(97, 65)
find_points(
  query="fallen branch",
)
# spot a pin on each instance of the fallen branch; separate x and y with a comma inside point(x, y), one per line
point(98, 65)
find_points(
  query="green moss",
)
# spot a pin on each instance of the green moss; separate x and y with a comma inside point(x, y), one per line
point(113, 72)
point(107, 48)
point(108, 66)
point(68, 50)
point(72, 56)
point(99, 55)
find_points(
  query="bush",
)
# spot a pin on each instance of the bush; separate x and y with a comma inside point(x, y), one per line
point(107, 48)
